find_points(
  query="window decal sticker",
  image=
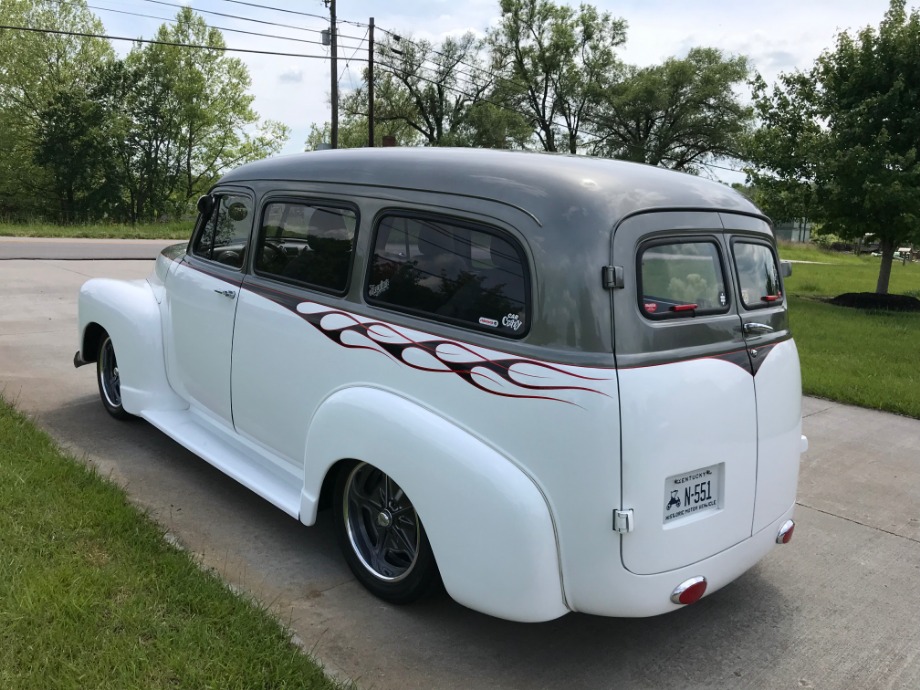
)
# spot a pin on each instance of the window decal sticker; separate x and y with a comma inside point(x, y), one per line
point(512, 321)
point(379, 288)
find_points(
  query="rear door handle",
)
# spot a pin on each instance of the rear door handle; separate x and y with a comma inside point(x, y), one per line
point(226, 293)
point(754, 329)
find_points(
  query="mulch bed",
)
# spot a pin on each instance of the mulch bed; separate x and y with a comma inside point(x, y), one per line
point(872, 300)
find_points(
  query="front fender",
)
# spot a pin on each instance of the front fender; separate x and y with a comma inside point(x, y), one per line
point(128, 311)
point(488, 523)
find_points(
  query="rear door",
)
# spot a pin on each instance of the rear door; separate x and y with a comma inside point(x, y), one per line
point(688, 407)
point(774, 361)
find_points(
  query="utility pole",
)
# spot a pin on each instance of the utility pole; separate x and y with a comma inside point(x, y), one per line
point(370, 84)
point(333, 41)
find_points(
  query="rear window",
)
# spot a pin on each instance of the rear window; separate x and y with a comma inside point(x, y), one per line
point(758, 275)
point(450, 271)
point(683, 278)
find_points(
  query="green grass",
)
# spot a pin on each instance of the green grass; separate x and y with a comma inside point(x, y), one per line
point(858, 357)
point(809, 252)
point(152, 231)
point(866, 358)
point(92, 596)
point(839, 273)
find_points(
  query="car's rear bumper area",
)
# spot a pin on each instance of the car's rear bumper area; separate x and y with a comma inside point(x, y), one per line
point(637, 596)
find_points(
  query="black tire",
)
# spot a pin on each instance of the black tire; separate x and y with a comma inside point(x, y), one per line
point(107, 376)
point(381, 536)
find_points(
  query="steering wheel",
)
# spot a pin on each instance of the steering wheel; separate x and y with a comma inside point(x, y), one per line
point(273, 255)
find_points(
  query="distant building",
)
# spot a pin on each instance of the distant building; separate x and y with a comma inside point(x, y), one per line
point(793, 231)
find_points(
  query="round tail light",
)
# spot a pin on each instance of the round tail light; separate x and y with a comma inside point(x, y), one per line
point(785, 532)
point(689, 591)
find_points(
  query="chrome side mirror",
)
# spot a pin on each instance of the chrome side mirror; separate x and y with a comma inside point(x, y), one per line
point(785, 268)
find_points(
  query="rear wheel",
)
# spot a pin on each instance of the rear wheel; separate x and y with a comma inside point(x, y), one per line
point(109, 379)
point(381, 535)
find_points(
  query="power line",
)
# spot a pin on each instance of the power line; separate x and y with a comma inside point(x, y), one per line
point(162, 43)
point(491, 78)
point(392, 69)
point(399, 37)
point(276, 9)
point(210, 26)
point(249, 19)
point(397, 70)
point(402, 72)
point(233, 16)
point(360, 45)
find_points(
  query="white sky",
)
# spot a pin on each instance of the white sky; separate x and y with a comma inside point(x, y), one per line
point(777, 35)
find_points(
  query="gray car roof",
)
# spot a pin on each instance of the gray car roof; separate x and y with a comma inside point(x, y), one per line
point(575, 200)
point(535, 182)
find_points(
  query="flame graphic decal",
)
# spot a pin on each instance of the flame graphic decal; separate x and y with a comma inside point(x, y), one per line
point(507, 376)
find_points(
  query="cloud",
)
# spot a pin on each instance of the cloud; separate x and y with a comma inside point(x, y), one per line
point(779, 61)
point(292, 76)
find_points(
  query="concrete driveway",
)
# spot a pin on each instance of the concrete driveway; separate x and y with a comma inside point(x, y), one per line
point(837, 608)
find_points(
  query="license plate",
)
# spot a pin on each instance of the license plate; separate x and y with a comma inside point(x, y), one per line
point(692, 493)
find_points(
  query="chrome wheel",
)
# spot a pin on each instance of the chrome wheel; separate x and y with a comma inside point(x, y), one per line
point(109, 381)
point(382, 526)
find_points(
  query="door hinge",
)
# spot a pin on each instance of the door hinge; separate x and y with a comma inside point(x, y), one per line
point(613, 277)
point(623, 521)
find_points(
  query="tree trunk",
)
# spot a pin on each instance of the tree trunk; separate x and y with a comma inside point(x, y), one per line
point(884, 272)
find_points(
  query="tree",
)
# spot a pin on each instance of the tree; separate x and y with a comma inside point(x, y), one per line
point(188, 117)
point(353, 133)
point(784, 149)
point(430, 90)
point(680, 114)
point(35, 69)
point(429, 95)
point(557, 62)
point(72, 146)
point(859, 129)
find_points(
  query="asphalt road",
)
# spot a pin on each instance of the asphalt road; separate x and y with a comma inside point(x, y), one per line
point(837, 608)
point(79, 248)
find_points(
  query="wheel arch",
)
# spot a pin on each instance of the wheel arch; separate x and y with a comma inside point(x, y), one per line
point(488, 523)
point(129, 313)
point(93, 334)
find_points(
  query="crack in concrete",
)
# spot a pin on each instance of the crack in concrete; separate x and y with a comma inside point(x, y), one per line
point(857, 522)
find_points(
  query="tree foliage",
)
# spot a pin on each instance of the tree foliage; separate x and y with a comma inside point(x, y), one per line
point(431, 95)
point(679, 114)
point(846, 135)
point(189, 112)
point(130, 140)
point(785, 148)
point(34, 69)
point(431, 90)
point(556, 62)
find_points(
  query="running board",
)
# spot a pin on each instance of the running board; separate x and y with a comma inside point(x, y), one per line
point(233, 456)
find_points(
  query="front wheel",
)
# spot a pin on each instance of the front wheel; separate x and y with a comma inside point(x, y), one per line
point(381, 535)
point(109, 379)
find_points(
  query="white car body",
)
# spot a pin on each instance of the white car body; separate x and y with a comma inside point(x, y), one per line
point(538, 471)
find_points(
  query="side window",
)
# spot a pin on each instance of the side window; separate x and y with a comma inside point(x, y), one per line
point(681, 279)
point(449, 271)
point(758, 274)
point(224, 235)
point(307, 243)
